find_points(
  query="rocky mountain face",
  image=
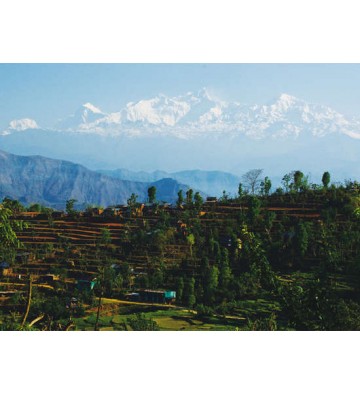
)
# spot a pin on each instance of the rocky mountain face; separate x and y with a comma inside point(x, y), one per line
point(52, 182)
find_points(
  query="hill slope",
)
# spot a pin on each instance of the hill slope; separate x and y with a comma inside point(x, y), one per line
point(52, 182)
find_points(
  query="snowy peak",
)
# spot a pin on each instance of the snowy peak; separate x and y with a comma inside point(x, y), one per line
point(84, 116)
point(160, 110)
point(91, 108)
point(23, 124)
point(20, 125)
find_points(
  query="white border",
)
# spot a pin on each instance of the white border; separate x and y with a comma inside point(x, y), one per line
point(179, 31)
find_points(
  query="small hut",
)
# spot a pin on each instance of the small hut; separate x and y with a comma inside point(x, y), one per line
point(5, 269)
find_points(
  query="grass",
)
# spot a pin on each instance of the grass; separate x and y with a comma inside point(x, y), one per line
point(178, 319)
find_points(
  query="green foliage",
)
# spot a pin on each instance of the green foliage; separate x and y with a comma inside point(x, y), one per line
point(198, 200)
point(254, 205)
point(189, 197)
point(105, 237)
point(302, 238)
point(9, 241)
point(263, 324)
point(152, 194)
point(180, 199)
point(189, 298)
point(132, 201)
point(141, 323)
point(70, 204)
point(180, 290)
point(240, 190)
point(265, 186)
point(13, 205)
point(326, 179)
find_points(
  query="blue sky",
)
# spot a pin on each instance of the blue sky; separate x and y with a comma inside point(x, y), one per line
point(47, 92)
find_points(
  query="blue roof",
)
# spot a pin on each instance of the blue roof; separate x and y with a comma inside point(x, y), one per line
point(4, 265)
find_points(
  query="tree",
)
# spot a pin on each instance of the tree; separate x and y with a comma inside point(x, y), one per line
point(191, 241)
point(70, 207)
point(225, 270)
point(240, 190)
point(152, 194)
point(326, 179)
point(105, 237)
point(198, 200)
point(132, 203)
point(211, 282)
point(251, 179)
point(189, 292)
point(189, 197)
point(302, 238)
point(180, 199)
point(265, 186)
point(141, 323)
point(8, 239)
point(286, 181)
point(298, 180)
point(14, 205)
point(179, 290)
point(254, 209)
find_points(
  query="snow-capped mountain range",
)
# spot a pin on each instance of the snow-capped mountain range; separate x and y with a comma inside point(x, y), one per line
point(191, 115)
point(198, 131)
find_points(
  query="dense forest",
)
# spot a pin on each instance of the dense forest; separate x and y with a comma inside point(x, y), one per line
point(263, 260)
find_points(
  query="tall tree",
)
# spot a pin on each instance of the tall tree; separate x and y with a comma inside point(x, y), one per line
point(225, 270)
point(265, 186)
point(132, 203)
point(189, 292)
point(251, 179)
point(152, 194)
point(189, 197)
point(211, 283)
point(180, 289)
point(298, 179)
point(70, 207)
point(254, 209)
point(198, 200)
point(180, 199)
point(326, 179)
point(240, 190)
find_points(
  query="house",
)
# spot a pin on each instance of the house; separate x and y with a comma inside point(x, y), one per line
point(5, 269)
point(94, 211)
point(157, 296)
point(133, 297)
point(72, 304)
point(112, 211)
point(211, 199)
point(58, 214)
point(226, 241)
point(22, 257)
point(49, 278)
point(86, 285)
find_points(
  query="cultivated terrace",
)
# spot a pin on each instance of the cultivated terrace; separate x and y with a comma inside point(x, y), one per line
point(263, 260)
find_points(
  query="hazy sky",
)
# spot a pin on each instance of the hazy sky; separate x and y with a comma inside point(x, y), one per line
point(47, 92)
